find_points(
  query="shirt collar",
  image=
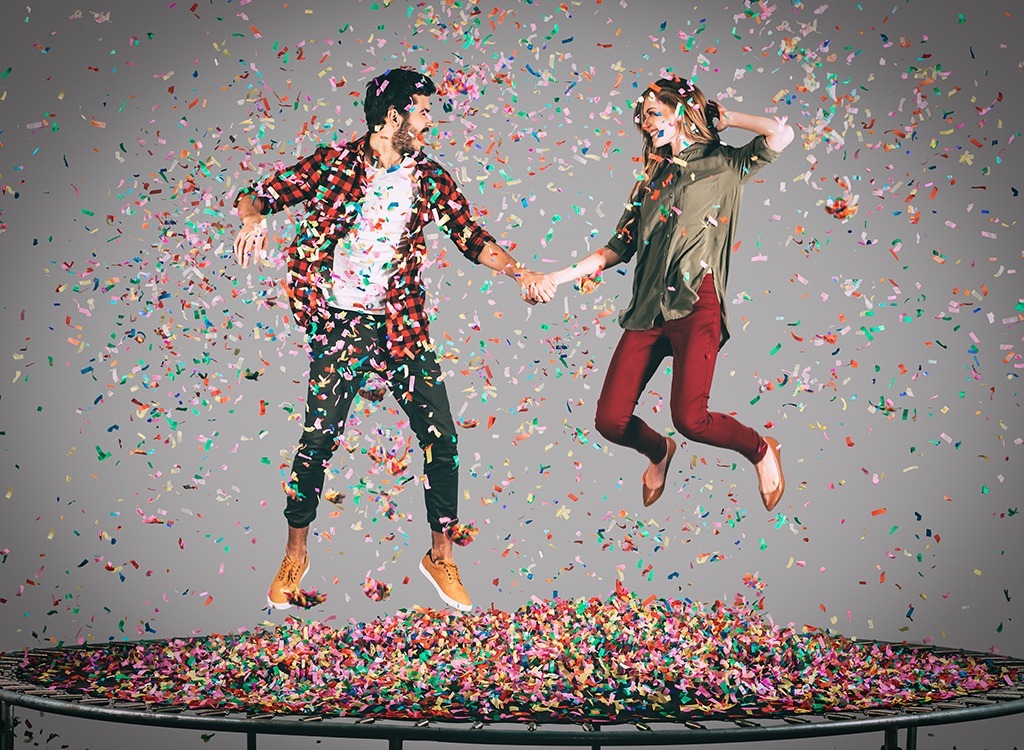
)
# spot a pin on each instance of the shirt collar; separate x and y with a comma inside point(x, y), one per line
point(694, 150)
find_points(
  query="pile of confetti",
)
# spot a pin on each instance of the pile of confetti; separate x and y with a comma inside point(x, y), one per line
point(559, 660)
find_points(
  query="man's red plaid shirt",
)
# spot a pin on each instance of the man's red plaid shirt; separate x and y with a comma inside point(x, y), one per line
point(332, 183)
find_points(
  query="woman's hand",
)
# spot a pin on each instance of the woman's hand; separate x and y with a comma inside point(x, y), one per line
point(720, 114)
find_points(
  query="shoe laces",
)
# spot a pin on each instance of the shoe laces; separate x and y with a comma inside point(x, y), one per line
point(289, 569)
point(451, 570)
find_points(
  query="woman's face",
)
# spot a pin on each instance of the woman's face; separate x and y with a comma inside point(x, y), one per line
point(659, 121)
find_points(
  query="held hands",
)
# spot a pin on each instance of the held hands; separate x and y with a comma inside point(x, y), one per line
point(251, 238)
point(536, 287)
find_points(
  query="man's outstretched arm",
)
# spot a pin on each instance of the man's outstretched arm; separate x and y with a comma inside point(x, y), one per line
point(455, 219)
point(533, 286)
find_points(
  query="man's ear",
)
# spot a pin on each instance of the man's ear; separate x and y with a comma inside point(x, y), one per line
point(394, 117)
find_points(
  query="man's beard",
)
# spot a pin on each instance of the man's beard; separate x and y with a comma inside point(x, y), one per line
point(403, 140)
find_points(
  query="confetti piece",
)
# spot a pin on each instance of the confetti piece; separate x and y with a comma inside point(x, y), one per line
point(376, 590)
point(462, 534)
point(304, 599)
point(845, 206)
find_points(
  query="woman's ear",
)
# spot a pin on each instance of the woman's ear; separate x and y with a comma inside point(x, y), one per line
point(681, 128)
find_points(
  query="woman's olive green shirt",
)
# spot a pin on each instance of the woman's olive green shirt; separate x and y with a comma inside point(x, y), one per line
point(683, 226)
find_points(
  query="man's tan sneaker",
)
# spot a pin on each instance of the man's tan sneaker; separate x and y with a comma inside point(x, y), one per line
point(289, 578)
point(445, 577)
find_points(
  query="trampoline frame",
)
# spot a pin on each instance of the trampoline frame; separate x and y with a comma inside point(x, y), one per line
point(974, 707)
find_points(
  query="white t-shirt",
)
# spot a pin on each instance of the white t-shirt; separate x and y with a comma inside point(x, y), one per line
point(364, 259)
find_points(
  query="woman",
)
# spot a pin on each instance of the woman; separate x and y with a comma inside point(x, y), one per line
point(680, 223)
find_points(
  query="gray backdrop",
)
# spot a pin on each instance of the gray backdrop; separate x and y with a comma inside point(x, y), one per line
point(153, 391)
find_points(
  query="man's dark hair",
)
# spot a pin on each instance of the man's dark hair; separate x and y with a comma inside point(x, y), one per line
point(395, 88)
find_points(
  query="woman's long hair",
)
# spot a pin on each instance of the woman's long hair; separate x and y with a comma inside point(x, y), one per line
point(690, 104)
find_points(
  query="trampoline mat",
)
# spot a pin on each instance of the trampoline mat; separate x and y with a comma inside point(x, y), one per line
point(563, 660)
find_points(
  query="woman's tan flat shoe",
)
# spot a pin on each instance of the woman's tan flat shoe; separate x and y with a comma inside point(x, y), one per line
point(771, 499)
point(651, 495)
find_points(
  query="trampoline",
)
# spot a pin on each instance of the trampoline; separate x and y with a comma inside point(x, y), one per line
point(570, 673)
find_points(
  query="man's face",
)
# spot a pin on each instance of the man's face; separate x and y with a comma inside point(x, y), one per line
point(412, 132)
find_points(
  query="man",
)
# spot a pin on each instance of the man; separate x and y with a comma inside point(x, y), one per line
point(354, 282)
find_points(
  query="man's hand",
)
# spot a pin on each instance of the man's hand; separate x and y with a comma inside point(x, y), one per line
point(251, 238)
point(536, 287)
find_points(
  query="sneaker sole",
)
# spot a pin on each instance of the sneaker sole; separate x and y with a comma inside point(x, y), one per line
point(447, 599)
point(286, 604)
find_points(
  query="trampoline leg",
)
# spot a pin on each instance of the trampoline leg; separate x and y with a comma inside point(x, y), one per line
point(394, 743)
point(911, 738)
point(891, 739)
point(250, 741)
point(6, 726)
